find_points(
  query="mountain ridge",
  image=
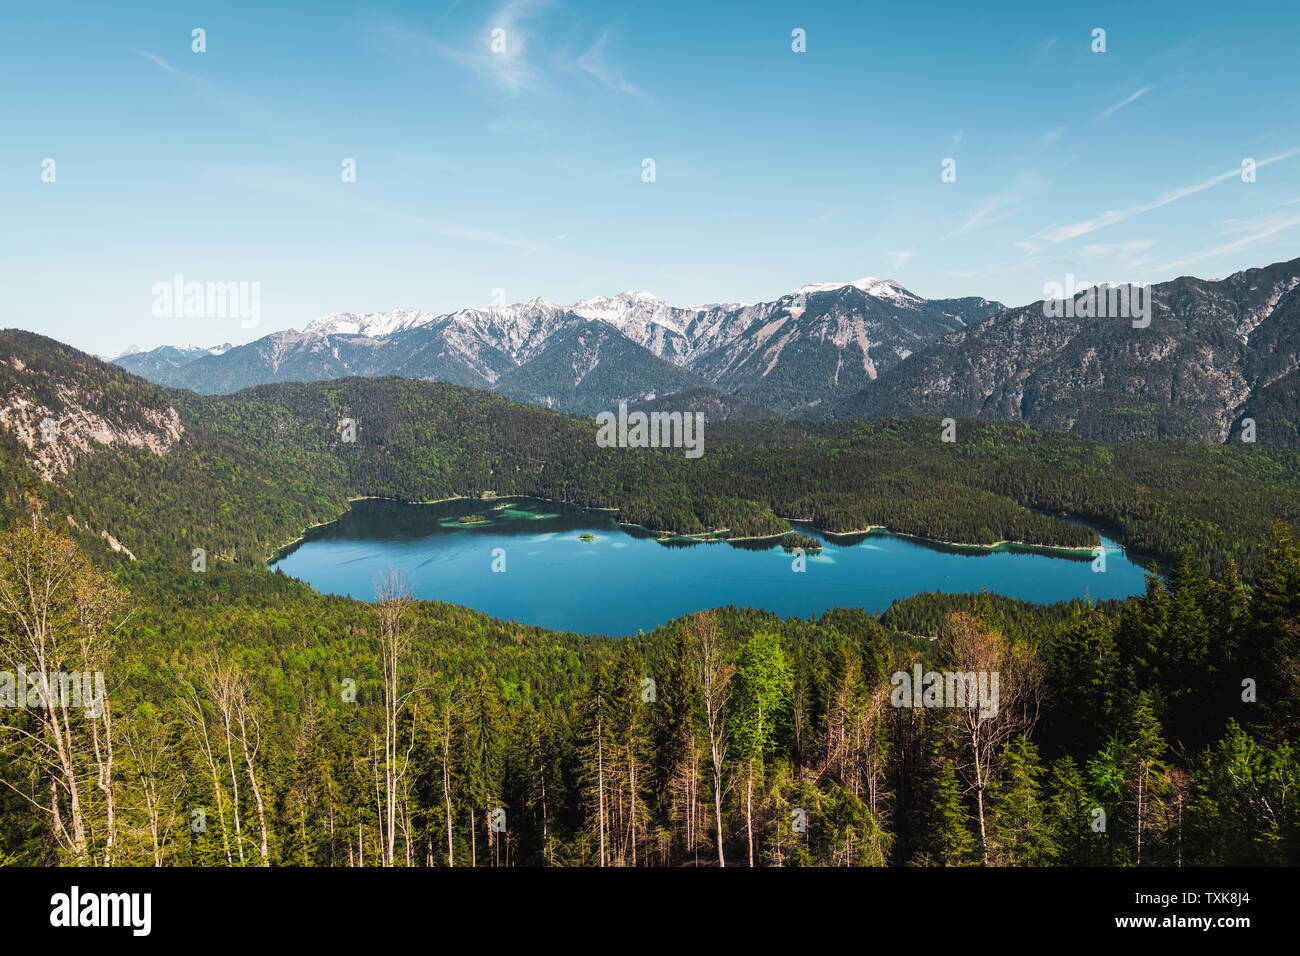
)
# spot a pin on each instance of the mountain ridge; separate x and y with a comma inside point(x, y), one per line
point(828, 339)
point(1214, 353)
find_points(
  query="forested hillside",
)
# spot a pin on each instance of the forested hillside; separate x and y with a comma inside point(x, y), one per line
point(254, 722)
point(166, 472)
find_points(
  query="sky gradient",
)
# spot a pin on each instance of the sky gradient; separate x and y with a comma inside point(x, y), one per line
point(521, 171)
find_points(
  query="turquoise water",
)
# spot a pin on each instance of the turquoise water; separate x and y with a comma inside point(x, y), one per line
point(625, 580)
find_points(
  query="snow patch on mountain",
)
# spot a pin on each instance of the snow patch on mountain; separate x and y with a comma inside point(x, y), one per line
point(876, 288)
point(371, 324)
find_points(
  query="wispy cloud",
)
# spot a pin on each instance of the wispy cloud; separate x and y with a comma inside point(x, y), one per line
point(509, 66)
point(982, 215)
point(1249, 230)
point(996, 208)
point(1128, 247)
point(1057, 234)
point(292, 186)
point(596, 64)
point(1052, 136)
point(898, 259)
point(245, 109)
point(157, 60)
point(825, 213)
point(1106, 113)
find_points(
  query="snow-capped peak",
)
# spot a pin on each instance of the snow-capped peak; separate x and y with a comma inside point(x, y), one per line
point(519, 327)
point(623, 302)
point(876, 288)
point(370, 324)
point(630, 309)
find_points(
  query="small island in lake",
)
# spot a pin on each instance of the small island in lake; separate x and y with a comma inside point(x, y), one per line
point(471, 519)
point(586, 536)
point(809, 544)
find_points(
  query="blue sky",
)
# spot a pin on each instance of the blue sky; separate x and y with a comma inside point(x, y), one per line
point(478, 171)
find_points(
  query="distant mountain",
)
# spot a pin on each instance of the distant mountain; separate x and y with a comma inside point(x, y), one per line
point(796, 355)
point(159, 363)
point(1215, 352)
point(588, 367)
point(824, 342)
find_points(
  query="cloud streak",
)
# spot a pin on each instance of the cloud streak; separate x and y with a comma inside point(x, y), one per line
point(996, 208)
point(595, 64)
point(1057, 234)
point(1251, 231)
point(293, 187)
point(510, 68)
point(1107, 113)
point(235, 105)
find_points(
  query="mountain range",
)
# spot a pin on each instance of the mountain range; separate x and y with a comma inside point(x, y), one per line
point(1216, 352)
point(796, 355)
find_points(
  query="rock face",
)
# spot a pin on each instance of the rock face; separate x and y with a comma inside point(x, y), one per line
point(1214, 353)
point(60, 407)
point(56, 435)
point(796, 355)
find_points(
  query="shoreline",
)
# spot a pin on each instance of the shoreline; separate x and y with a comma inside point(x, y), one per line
point(275, 553)
point(705, 537)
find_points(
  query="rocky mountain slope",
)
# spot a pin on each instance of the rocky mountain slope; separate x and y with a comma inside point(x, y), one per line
point(1214, 353)
point(796, 355)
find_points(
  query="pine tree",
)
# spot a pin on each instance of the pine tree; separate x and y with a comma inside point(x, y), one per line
point(1073, 817)
point(1271, 649)
point(1020, 833)
point(949, 841)
point(1243, 804)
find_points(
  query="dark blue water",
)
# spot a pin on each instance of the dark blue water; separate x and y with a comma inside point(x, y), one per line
point(625, 580)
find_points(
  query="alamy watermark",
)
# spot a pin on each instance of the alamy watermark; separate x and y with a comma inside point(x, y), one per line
point(946, 689)
point(1083, 300)
point(82, 690)
point(208, 300)
point(653, 430)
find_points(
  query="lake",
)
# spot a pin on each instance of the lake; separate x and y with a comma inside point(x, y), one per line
point(625, 580)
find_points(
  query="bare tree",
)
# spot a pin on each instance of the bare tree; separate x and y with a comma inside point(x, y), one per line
point(970, 646)
point(223, 689)
point(393, 602)
point(195, 716)
point(250, 741)
point(715, 680)
point(150, 758)
point(444, 745)
point(56, 625)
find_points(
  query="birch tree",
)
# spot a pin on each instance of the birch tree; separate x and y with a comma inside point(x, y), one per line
point(971, 646)
point(392, 604)
point(715, 687)
point(57, 620)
